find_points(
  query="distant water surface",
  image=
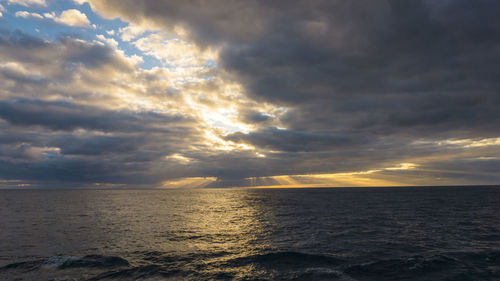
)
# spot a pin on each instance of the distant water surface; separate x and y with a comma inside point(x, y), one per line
point(445, 233)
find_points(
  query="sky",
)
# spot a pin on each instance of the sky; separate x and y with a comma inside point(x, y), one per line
point(187, 94)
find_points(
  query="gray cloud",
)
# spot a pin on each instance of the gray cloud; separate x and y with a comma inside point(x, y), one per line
point(64, 115)
point(426, 64)
point(96, 145)
point(369, 70)
point(286, 140)
point(365, 83)
point(22, 47)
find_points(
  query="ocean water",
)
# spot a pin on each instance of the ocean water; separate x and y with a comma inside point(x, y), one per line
point(445, 233)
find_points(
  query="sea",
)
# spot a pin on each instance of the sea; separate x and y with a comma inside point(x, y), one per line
point(404, 233)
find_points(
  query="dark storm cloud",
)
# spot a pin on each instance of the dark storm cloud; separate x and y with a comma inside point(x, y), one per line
point(56, 143)
point(467, 171)
point(427, 69)
point(96, 145)
point(286, 140)
point(427, 64)
point(52, 159)
point(255, 117)
point(64, 115)
point(361, 83)
point(323, 156)
point(59, 172)
point(479, 169)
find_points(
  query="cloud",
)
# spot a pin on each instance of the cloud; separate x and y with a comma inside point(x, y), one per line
point(27, 3)
point(131, 32)
point(2, 9)
point(70, 144)
point(71, 17)
point(109, 41)
point(25, 14)
point(293, 141)
point(172, 51)
point(63, 115)
point(370, 71)
point(412, 57)
point(71, 104)
point(259, 92)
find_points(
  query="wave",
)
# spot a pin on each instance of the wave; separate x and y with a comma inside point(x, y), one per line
point(222, 266)
point(397, 269)
point(25, 265)
point(140, 272)
point(94, 261)
point(450, 266)
point(67, 262)
point(286, 259)
point(287, 265)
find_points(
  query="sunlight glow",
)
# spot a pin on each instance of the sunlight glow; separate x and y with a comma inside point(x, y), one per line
point(403, 166)
point(178, 158)
point(359, 178)
point(192, 182)
point(468, 143)
point(345, 179)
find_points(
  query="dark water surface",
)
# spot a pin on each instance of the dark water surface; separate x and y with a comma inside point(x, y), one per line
point(251, 234)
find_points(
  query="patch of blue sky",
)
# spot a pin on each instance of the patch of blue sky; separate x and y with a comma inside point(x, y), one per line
point(210, 63)
point(148, 61)
point(49, 30)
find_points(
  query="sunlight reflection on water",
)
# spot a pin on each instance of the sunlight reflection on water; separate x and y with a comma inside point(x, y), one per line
point(269, 234)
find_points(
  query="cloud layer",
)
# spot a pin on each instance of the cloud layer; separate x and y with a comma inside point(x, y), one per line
point(251, 90)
